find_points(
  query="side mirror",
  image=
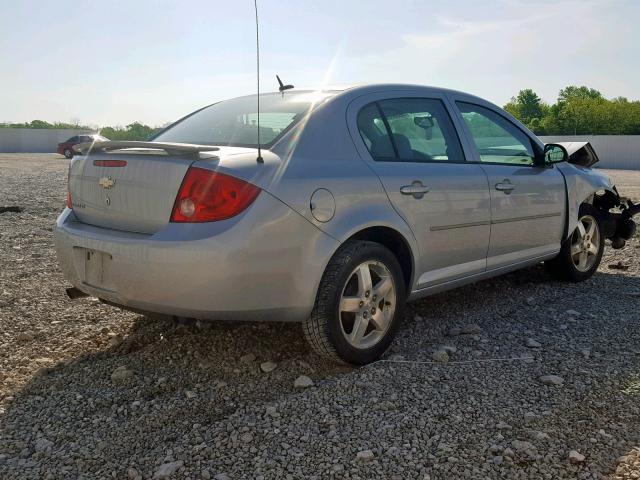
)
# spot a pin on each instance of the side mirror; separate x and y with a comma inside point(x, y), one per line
point(554, 153)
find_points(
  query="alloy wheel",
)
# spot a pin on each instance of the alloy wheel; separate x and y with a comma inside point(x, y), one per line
point(367, 304)
point(585, 243)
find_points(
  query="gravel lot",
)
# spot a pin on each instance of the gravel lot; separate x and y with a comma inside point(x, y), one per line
point(192, 399)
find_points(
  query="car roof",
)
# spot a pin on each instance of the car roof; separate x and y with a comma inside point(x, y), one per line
point(350, 91)
point(363, 89)
point(339, 89)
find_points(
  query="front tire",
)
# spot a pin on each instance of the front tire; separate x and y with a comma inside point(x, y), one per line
point(359, 304)
point(68, 153)
point(581, 253)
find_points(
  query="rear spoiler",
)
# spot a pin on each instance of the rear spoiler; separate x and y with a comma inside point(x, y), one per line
point(170, 148)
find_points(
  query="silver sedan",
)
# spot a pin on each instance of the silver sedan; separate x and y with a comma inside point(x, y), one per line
point(358, 200)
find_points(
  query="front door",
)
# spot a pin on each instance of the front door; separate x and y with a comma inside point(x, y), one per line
point(417, 154)
point(527, 201)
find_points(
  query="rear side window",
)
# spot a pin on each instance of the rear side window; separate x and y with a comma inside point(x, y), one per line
point(415, 129)
point(496, 138)
point(375, 134)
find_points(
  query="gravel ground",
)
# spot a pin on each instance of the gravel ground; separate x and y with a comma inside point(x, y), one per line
point(89, 391)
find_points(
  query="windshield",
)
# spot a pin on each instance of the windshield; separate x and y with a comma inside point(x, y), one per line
point(235, 122)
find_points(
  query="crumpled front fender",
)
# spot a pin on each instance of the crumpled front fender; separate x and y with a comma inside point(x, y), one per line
point(582, 184)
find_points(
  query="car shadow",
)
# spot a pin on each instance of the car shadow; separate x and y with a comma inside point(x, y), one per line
point(195, 372)
point(523, 302)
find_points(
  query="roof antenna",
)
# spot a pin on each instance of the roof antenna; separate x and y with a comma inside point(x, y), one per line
point(283, 87)
point(255, 6)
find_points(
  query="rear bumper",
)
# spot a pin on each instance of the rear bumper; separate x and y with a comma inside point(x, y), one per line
point(264, 264)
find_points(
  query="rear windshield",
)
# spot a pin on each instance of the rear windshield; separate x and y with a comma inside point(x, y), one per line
point(235, 122)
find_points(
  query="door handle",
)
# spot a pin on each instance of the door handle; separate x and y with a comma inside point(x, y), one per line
point(416, 189)
point(505, 186)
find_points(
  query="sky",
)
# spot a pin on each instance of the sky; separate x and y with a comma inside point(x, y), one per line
point(116, 62)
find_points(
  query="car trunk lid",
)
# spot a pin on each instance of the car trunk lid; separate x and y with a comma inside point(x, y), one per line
point(129, 186)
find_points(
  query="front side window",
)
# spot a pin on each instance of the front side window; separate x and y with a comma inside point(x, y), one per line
point(409, 130)
point(496, 138)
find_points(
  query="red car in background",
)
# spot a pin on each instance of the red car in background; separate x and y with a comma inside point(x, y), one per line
point(66, 148)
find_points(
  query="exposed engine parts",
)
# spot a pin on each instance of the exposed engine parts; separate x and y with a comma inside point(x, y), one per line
point(617, 217)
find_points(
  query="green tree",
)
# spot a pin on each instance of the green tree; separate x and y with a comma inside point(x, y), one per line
point(40, 124)
point(529, 105)
point(528, 108)
point(579, 110)
point(537, 126)
point(133, 131)
point(512, 108)
point(573, 92)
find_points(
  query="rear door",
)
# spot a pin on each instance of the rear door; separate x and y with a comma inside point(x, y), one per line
point(527, 201)
point(411, 143)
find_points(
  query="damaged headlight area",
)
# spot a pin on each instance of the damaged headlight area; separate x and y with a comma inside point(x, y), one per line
point(617, 216)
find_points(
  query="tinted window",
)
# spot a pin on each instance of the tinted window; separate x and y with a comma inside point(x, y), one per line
point(374, 133)
point(409, 129)
point(235, 122)
point(73, 139)
point(421, 130)
point(496, 138)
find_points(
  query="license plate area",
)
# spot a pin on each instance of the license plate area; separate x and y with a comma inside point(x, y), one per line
point(96, 268)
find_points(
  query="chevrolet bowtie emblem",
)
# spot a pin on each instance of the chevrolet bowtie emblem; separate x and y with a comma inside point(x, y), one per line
point(106, 182)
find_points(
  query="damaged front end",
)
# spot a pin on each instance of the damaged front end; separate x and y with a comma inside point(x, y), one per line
point(617, 217)
point(585, 184)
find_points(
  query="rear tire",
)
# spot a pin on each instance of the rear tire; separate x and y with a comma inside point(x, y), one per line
point(359, 304)
point(68, 153)
point(581, 253)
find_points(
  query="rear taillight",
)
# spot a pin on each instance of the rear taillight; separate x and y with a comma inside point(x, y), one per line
point(207, 196)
